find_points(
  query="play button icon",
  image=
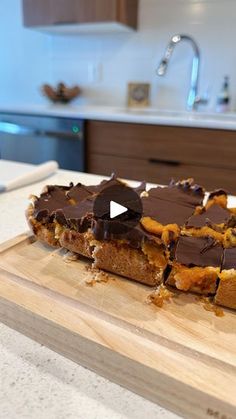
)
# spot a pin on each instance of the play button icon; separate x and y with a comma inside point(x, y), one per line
point(116, 209)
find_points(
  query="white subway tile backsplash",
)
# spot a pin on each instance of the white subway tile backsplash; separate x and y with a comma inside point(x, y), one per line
point(124, 57)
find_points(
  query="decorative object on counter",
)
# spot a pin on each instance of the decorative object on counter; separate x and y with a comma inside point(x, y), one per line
point(224, 99)
point(61, 93)
point(138, 95)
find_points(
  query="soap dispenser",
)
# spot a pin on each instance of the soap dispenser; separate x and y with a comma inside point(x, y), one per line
point(223, 100)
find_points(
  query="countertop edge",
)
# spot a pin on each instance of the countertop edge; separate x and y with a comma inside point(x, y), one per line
point(110, 114)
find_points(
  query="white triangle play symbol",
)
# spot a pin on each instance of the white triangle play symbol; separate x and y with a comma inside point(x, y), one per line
point(116, 209)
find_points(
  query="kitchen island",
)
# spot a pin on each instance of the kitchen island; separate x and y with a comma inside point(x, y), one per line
point(35, 381)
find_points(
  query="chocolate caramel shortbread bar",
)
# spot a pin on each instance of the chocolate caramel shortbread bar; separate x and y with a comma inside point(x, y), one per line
point(176, 239)
point(196, 265)
point(167, 209)
point(41, 211)
point(226, 291)
point(135, 253)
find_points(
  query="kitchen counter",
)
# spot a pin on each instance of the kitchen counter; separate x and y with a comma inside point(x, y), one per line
point(124, 114)
point(35, 381)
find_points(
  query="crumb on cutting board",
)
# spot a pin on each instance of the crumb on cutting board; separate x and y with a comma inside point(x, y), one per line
point(159, 296)
point(70, 257)
point(209, 305)
point(97, 276)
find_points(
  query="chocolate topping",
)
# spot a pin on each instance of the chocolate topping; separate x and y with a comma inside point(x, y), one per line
point(229, 259)
point(79, 216)
point(213, 215)
point(106, 230)
point(188, 188)
point(58, 198)
point(119, 193)
point(49, 201)
point(165, 212)
point(79, 192)
point(198, 251)
point(173, 204)
point(217, 192)
point(113, 181)
point(93, 211)
point(137, 235)
point(123, 227)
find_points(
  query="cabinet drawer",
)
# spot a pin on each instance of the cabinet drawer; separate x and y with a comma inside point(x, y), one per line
point(205, 147)
point(140, 169)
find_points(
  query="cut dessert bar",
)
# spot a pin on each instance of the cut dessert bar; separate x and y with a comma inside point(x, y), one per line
point(194, 245)
point(74, 227)
point(211, 221)
point(122, 259)
point(40, 213)
point(226, 292)
point(214, 220)
point(143, 246)
point(167, 209)
point(218, 197)
point(196, 265)
point(138, 253)
point(75, 222)
point(129, 254)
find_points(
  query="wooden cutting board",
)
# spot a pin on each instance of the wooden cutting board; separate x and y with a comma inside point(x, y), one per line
point(179, 356)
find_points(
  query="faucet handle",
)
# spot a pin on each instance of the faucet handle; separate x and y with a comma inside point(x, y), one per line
point(201, 100)
point(204, 99)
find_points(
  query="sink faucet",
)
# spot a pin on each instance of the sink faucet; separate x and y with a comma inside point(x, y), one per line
point(193, 99)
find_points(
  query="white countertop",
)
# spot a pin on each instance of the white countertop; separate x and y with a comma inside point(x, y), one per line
point(123, 114)
point(35, 381)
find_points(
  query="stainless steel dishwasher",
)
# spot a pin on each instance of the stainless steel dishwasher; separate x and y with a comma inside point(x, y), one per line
point(36, 139)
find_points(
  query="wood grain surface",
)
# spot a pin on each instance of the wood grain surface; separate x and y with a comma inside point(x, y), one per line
point(180, 356)
point(55, 12)
point(157, 153)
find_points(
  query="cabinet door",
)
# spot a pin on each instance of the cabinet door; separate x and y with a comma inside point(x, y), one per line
point(138, 169)
point(178, 145)
point(157, 153)
point(37, 13)
point(55, 12)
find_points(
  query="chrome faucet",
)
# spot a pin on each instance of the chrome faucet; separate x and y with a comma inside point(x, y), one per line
point(193, 97)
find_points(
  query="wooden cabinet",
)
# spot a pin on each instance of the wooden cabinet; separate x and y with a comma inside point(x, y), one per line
point(158, 153)
point(40, 13)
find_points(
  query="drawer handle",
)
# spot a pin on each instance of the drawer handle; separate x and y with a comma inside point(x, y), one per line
point(167, 162)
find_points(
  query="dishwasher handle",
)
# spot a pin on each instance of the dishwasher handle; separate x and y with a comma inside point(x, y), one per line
point(15, 129)
point(10, 128)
